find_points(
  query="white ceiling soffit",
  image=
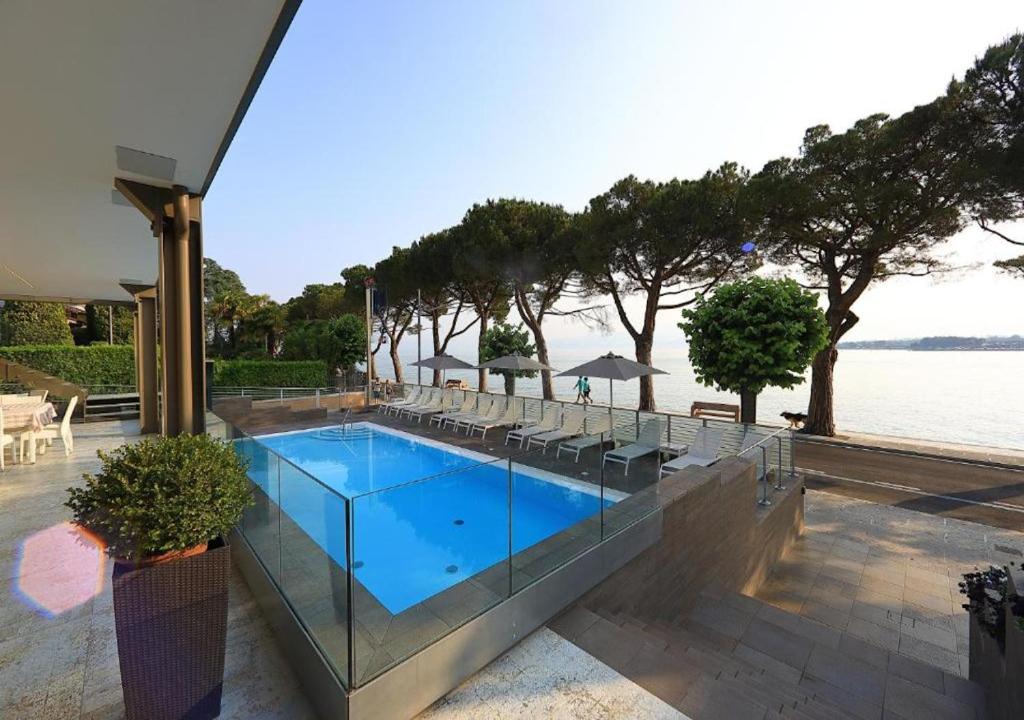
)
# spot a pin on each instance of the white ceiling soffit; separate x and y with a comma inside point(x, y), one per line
point(150, 91)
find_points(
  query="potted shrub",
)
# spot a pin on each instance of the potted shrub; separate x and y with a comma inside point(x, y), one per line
point(163, 507)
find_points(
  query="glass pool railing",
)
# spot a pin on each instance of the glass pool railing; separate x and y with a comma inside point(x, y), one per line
point(376, 577)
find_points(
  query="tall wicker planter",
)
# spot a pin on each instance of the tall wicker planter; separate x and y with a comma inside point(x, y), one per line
point(171, 622)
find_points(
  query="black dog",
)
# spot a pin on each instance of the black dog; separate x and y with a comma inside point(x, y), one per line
point(796, 420)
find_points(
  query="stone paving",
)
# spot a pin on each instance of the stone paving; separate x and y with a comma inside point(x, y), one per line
point(883, 575)
point(888, 576)
point(64, 665)
point(546, 676)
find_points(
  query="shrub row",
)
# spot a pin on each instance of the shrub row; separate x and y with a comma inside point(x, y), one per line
point(115, 365)
point(269, 373)
point(82, 365)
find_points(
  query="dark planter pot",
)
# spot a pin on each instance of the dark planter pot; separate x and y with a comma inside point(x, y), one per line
point(171, 622)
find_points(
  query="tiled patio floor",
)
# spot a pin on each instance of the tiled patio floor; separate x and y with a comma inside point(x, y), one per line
point(65, 666)
point(888, 575)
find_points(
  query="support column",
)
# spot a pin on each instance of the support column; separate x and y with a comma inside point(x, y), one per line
point(167, 293)
point(176, 219)
point(182, 308)
point(145, 359)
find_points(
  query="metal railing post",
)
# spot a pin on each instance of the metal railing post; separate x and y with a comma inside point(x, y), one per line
point(778, 475)
point(510, 585)
point(764, 495)
point(792, 454)
point(637, 426)
point(318, 398)
point(350, 610)
point(280, 396)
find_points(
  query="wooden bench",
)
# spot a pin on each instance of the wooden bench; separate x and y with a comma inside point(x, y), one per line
point(717, 411)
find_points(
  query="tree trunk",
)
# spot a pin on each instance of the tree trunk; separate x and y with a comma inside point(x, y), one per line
point(644, 344)
point(748, 407)
point(820, 420)
point(482, 378)
point(510, 383)
point(396, 363)
point(436, 337)
point(547, 387)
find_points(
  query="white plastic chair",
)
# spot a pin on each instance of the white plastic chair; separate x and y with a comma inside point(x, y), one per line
point(5, 440)
point(49, 433)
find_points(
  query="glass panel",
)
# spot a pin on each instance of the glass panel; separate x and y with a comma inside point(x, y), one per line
point(314, 546)
point(556, 501)
point(261, 522)
point(428, 556)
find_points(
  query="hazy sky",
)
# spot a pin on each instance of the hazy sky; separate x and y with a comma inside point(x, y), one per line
point(380, 122)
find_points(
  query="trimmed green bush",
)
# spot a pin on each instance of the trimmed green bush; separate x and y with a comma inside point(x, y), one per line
point(34, 323)
point(82, 365)
point(269, 373)
point(162, 495)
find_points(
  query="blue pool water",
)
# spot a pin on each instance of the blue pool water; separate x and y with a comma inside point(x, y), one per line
point(411, 540)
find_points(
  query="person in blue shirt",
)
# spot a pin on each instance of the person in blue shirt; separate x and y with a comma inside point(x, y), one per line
point(586, 391)
point(581, 383)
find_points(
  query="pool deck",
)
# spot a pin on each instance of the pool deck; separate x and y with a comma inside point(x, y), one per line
point(64, 665)
point(865, 576)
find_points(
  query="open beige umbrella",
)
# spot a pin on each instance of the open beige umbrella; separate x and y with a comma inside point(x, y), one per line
point(613, 367)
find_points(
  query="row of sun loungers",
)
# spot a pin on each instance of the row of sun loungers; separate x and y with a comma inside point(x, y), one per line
point(570, 432)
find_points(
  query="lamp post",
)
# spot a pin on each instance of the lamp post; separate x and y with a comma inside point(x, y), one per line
point(369, 330)
point(419, 338)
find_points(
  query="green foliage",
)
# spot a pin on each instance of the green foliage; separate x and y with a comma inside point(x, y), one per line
point(269, 373)
point(1013, 266)
point(354, 279)
point(81, 365)
point(162, 495)
point(220, 281)
point(504, 339)
point(753, 333)
point(97, 321)
point(34, 323)
point(987, 109)
point(317, 302)
point(337, 343)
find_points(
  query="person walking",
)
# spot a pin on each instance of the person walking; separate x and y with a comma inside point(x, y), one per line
point(586, 392)
point(580, 384)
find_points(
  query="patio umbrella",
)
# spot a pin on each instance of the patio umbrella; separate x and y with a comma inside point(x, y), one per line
point(515, 361)
point(612, 367)
point(443, 362)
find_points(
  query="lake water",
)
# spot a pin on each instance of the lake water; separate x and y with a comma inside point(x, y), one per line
point(963, 397)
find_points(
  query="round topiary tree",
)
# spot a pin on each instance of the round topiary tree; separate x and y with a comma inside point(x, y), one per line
point(754, 333)
point(504, 339)
point(164, 495)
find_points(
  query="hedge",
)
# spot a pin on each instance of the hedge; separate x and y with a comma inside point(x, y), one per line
point(269, 373)
point(115, 365)
point(81, 365)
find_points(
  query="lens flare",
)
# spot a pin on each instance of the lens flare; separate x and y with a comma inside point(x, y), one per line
point(59, 568)
point(748, 247)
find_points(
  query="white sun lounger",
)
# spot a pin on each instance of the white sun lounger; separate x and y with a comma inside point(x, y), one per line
point(483, 406)
point(598, 431)
point(506, 420)
point(431, 398)
point(426, 397)
point(467, 406)
point(703, 451)
point(572, 425)
point(548, 424)
point(436, 406)
point(414, 395)
point(493, 413)
point(646, 443)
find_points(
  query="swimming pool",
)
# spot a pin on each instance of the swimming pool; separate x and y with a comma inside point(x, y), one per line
point(412, 540)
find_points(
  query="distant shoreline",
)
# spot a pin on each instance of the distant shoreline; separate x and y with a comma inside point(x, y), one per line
point(943, 349)
point(942, 343)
